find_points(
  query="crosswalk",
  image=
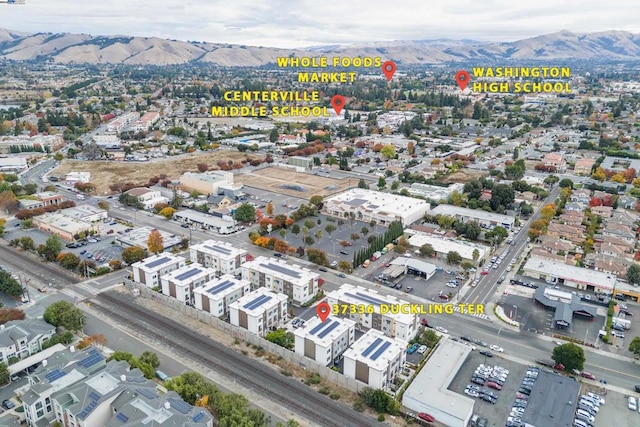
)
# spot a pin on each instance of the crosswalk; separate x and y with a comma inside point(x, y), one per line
point(84, 290)
point(456, 308)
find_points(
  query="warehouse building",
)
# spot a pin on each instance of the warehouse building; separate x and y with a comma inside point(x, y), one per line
point(325, 341)
point(442, 246)
point(558, 273)
point(484, 218)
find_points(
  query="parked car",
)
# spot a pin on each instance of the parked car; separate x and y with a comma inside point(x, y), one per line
point(496, 348)
point(422, 349)
point(494, 385)
point(588, 375)
point(441, 329)
point(426, 417)
point(7, 404)
point(412, 349)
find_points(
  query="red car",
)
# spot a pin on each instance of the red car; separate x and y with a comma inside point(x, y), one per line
point(494, 385)
point(426, 417)
point(589, 375)
point(484, 272)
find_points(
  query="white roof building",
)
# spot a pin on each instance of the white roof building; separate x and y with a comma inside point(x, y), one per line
point(149, 270)
point(206, 182)
point(88, 213)
point(429, 391)
point(381, 316)
point(443, 245)
point(369, 205)
point(325, 341)
point(216, 295)
point(569, 275)
point(220, 256)
point(482, 217)
point(259, 311)
point(62, 225)
point(73, 177)
point(223, 224)
point(140, 235)
point(180, 283)
point(375, 359)
point(299, 284)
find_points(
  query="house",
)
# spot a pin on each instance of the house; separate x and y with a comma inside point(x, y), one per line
point(565, 231)
point(554, 245)
point(603, 211)
point(207, 183)
point(23, 338)
point(584, 166)
point(611, 265)
point(573, 218)
point(149, 198)
point(48, 198)
point(63, 226)
point(620, 231)
point(581, 196)
point(555, 160)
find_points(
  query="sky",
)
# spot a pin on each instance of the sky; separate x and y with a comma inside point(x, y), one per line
point(302, 23)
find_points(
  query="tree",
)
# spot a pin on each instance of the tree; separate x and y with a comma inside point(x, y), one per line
point(317, 256)
point(64, 314)
point(548, 211)
point(52, 248)
point(9, 314)
point(151, 358)
point(295, 229)
point(565, 183)
point(633, 274)
point(102, 204)
point(316, 200)
point(330, 228)
point(155, 242)
point(501, 195)
point(97, 340)
point(9, 285)
point(203, 167)
point(281, 337)
point(345, 266)
point(472, 230)
point(570, 355)
point(466, 265)
point(4, 373)
point(427, 250)
point(91, 151)
point(364, 231)
point(354, 236)
point(273, 135)
point(133, 254)
point(634, 347)
point(453, 257)
point(381, 183)
point(475, 255)
point(245, 213)
point(388, 151)
point(363, 184)
point(69, 260)
point(167, 212)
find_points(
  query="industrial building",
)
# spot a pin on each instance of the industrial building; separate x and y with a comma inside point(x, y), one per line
point(259, 311)
point(220, 223)
point(86, 213)
point(207, 183)
point(216, 296)
point(299, 284)
point(180, 283)
point(559, 273)
point(149, 270)
point(482, 217)
point(375, 360)
point(62, 226)
point(552, 409)
point(325, 341)
point(221, 256)
point(140, 235)
point(393, 323)
point(442, 246)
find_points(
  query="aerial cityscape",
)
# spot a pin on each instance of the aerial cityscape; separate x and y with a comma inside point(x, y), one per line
point(241, 215)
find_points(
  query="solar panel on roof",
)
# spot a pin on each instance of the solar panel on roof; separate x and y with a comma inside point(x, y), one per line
point(179, 405)
point(54, 375)
point(93, 359)
point(94, 396)
point(197, 417)
point(147, 392)
point(320, 326)
point(86, 411)
point(370, 298)
point(158, 262)
point(381, 350)
point(225, 251)
point(257, 302)
point(122, 417)
point(188, 274)
point(328, 330)
point(221, 287)
point(371, 347)
point(283, 270)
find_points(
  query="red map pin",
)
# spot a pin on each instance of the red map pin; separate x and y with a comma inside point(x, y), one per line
point(337, 102)
point(323, 310)
point(389, 68)
point(462, 78)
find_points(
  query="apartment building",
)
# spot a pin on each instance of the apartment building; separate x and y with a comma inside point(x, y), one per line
point(259, 311)
point(220, 256)
point(180, 283)
point(299, 284)
point(149, 270)
point(148, 198)
point(325, 341)
point(216, 296)
point(23, 338)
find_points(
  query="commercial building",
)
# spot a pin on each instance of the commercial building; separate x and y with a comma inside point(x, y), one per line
point(443, 245)
point(222, 224)
point(552, 409)
point(375, 360)
point(180, 283)
point(216, 296)
point(145, 122)
point(63, 226)
point(12, 164)
point(563, 274)
point(325, 341)
point(149, 198)
point(401, 324)
point(303, 162)
point(37, 143)
point(404, 265)
point(259, 311)
point(565, 305)
point(299, 284)
point(149, 270)
point(108, 140)
point(120, 123)
point(207, 182)
point(23, 338)
point(139, 236)
point(220, 256)
point(484, 218)
point(369, 205)
point(86, 213)
point(429, 391)
point(49, 198)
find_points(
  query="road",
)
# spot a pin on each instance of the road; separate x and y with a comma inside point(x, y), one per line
point(484, 291)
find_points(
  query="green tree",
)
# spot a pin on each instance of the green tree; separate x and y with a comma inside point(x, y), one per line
point(362, 184)
point(133, 254)
point(245, 213)
point(316, 200)
point(4, 373)
point(295, 229)
point(395, 185)
point(317, 256)
point(69, 260)
point(570, 355)
point(475, 255)
point(472, 230)
point(388, 151)
point(9, 285)
point(273, 135)
point(565, 183)
point(64, 314)
point(502, 195)
point(52, 248)
point(498, 234)
point(427, 250)
point(633, 274)
point(330, 228)
point(151, 358)
point(281, 337)
point(381, 183)
point(466, 265)
point(634, 347)
point(453, 257)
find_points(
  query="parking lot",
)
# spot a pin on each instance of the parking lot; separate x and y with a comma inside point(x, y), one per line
point(615, 411)
point(496, 413)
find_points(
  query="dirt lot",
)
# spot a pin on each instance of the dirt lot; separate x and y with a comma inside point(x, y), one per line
point(464, 176)
point(104, 173)
point(273, 178)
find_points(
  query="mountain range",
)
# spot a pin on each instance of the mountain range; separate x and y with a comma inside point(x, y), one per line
point(67, 48)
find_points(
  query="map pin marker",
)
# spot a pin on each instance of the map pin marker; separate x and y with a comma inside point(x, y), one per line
point(389, 69)
point(337, 102)
point(323, 310)
point(462, 78)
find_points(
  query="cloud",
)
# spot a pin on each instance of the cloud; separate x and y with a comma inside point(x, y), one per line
point(283, 23)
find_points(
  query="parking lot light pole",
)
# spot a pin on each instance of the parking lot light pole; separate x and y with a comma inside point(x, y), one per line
point(516, 314)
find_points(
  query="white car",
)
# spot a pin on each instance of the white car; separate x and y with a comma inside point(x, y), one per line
point(441, 329)
point(422, 349)
point(496, 348)
point(632, 404)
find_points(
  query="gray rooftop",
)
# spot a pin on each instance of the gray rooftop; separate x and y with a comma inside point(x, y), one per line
point(552, 409)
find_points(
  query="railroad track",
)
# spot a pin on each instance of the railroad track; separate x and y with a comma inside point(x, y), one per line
point(289, 393)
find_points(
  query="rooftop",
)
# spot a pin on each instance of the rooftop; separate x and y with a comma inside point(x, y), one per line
point(375, 201)
point(472, 213)
point(158, 261)
point(218, 249)
point(571, 273)
point(188, 274)
point(254, 303)
point(357, 295)
point(281, 270)
point(445, 245)
point(375, 349)
point(324, 333)
point(547, 409)
point(219, 288)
